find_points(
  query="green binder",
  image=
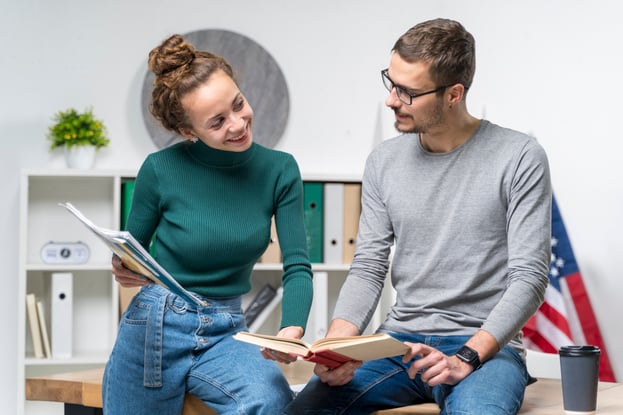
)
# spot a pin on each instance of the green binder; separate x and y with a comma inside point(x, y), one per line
point(127, 191)
point(313, 198)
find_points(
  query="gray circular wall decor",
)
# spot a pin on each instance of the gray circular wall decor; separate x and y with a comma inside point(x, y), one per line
point(259, 76)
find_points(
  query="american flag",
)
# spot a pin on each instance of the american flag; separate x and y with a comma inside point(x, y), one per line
point(566, 316)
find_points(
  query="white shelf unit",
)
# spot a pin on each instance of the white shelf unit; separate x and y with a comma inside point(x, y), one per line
point(97, 193)
point(95, 294)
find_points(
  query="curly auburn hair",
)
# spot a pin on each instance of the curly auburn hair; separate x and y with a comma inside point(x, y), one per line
point(179, 70)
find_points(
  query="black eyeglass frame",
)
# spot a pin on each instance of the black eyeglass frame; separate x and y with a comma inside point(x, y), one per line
point(401, 91)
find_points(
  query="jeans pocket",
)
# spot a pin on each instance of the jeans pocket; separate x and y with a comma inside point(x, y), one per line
point(137, 313)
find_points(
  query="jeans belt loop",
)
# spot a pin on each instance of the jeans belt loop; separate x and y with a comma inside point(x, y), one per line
point(153, 345)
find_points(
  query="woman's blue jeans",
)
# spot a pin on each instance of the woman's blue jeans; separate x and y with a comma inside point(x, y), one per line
point(166, 347)
point(496, 388)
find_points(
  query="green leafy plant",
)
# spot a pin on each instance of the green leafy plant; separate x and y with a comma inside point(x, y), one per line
point(72, 128)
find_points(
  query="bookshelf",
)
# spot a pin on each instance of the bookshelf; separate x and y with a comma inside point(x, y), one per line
point(96, 302)
point(92, 306)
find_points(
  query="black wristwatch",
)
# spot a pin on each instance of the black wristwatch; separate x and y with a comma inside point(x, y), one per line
point(469, 355)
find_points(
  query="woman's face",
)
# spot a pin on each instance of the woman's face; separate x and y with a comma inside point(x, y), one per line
point(219, 114)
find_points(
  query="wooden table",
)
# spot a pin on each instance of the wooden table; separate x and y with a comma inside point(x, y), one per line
point(81, 393)
point(542, 398)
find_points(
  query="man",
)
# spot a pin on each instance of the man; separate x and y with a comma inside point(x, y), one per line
point(466, 205)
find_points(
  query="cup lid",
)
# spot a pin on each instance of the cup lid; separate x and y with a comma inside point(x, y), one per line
point(578, 350)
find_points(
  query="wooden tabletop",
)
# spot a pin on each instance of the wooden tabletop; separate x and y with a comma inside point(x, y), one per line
point(80, 388)
point(542, 398)
point(545, 398)
point(85, 387)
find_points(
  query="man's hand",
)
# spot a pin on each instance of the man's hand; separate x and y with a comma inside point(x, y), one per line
point(338, 376)
point(290, 332)
point(125, 276)
point(435, 367)
point(343, 374)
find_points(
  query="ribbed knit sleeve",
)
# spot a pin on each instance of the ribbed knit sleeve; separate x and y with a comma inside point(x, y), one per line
point(297, 282)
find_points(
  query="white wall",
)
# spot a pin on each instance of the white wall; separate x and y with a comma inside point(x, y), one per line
point(548, 68)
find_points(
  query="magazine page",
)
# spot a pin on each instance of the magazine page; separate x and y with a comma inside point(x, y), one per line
point(134, 256)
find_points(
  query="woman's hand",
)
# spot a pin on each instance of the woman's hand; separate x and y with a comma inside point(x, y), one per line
point(126, 277)
point(290, 332)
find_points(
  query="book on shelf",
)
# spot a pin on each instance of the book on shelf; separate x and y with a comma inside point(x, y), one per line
point(35, 328)
point(43, 325)
point(331, 351)
point(134, 256)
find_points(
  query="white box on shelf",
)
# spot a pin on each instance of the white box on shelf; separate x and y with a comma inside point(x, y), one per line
point(61, 293)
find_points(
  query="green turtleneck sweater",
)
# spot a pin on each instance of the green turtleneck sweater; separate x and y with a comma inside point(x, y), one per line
point(211, 211)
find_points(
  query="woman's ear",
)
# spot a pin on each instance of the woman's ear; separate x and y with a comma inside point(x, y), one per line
point(187, 133)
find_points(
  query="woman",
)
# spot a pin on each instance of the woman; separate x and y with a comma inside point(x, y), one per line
point(209, 200)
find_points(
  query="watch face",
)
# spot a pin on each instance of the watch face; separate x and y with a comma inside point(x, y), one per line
point(467, 353)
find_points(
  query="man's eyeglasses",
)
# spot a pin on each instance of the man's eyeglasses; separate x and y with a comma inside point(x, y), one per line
point(402, 94)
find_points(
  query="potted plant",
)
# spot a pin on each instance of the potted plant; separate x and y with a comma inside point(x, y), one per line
point(79, 134)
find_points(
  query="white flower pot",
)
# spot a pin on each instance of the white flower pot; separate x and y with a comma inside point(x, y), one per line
point(80, 157)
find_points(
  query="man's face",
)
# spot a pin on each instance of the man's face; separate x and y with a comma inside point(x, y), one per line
point(425, 111)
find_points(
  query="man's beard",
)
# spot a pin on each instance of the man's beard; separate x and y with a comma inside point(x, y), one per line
point(435, 119)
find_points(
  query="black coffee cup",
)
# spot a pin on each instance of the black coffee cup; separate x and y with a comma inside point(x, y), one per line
point(579, 370)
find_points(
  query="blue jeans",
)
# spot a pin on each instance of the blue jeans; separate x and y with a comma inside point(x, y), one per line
point(167, 347)
point(496, 388)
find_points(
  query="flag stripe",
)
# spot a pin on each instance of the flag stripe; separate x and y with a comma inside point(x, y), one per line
point(566, 316)
point(588, 322)
point(558, 320)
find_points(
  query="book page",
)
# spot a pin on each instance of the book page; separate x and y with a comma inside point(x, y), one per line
point(370, 347)
point(281, 344)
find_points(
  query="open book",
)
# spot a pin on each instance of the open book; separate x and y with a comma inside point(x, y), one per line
point(134, 256)
point(331, 351)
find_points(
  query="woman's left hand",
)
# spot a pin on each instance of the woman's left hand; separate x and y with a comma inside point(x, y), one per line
point(290, 332)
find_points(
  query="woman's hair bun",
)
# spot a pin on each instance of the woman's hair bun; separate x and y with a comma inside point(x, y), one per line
point(172, 54)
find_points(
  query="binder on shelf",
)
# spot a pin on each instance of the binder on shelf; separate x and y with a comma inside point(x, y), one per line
point(33, 322)
point(61, 306)
point(265, 313)
point(259, 302)
point(47, 351)
point(127, 193)
point(312, 196)
point(320, 306)
point(352, 212)
point(272, 255)
point(333, 223)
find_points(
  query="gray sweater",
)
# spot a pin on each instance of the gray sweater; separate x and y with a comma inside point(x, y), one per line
point(471, 230)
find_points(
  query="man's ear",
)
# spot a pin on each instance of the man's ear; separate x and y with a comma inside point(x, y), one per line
point(457, 92)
